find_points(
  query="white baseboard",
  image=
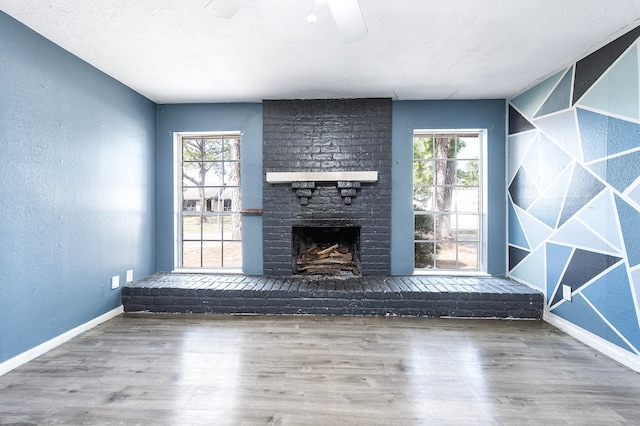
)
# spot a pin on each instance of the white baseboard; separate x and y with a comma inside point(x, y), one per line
point(43, 348)
point(607, 348)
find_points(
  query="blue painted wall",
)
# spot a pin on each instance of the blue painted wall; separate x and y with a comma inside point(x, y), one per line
point(244, 117)
point(407, 116)
point(574, 191)
point(77, 189)
point(480, 114)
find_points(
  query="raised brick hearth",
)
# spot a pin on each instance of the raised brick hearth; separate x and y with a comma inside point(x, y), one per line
point(366, 296)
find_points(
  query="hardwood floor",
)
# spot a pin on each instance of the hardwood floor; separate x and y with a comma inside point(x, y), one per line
point(308, 370)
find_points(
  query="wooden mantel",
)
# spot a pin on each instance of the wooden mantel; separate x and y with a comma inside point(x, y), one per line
point(288, 177)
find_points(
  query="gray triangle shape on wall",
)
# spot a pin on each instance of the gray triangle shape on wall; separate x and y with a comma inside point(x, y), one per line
point(560, 98)
point(547, 207)
point(590, 68)
point(583, 267)
point(629, 218)
point(517, 122)
point(516, 255)
point(523, 189)
point(583, 188)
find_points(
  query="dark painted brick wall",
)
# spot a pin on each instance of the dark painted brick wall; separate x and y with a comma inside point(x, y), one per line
point(327, 135)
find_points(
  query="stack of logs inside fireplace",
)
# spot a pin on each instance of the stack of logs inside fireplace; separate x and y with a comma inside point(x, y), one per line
point(327, 261)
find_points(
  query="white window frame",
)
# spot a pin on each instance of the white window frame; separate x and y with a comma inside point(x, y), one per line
point(177, 200)
point(482, 200)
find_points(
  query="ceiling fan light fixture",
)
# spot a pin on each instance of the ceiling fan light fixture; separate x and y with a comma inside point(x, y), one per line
point(312, 18)
point(348, 18)
point(224, 9)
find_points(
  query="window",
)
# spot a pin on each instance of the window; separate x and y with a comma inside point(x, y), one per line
point(446, 200)
point(210, 232)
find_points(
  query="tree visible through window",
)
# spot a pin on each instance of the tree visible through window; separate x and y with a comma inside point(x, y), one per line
point(210, 222)
point(446, 200)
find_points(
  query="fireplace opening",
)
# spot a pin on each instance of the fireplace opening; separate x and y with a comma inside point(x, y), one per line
point(326, 250)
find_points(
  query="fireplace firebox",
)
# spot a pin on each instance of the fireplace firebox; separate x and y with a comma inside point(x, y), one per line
point(326, 250)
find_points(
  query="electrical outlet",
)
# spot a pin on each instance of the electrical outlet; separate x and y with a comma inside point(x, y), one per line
point(566, 292)
point(129, 278)
point(115, 282)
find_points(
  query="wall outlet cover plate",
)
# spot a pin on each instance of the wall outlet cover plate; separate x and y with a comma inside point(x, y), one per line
point(566, 292)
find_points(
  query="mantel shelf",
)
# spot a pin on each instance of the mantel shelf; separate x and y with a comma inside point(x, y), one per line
point(288, 177)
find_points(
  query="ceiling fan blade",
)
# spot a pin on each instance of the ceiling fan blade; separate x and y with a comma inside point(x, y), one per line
point(348, 18)
point(224, 8)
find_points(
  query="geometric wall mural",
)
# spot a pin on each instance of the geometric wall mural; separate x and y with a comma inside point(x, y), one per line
point(573, 170)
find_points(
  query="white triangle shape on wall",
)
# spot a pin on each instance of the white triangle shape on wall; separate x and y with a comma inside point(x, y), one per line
point(562, 128)
point(517, 147)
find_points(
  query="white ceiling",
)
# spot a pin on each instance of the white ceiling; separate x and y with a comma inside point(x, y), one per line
point(175, 51)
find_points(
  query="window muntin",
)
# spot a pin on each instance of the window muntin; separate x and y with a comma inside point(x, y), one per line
point(447, 200)
point(210, 226)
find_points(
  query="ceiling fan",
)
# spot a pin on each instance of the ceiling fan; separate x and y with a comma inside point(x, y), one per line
point(346, 14)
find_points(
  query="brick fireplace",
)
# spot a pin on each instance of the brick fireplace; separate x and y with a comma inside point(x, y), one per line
point(328, 150)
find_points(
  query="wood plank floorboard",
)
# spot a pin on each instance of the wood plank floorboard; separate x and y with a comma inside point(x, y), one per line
point(317, 370)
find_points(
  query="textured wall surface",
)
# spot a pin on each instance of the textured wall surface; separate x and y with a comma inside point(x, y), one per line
point(246, 118)
point(77, 177)
point(574, 191)
point(328, 135)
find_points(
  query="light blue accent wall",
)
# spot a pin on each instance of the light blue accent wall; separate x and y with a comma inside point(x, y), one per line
point(77, 197)
point(578, 210)
point(474, 114)
point(243, 117)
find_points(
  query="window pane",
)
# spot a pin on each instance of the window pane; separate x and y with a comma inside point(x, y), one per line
point(232, 149)
point(441, 226)
point(191, 254)
point(446, 256)
point(467, 227)
point(214, 174)
point(232, 254)
point(232, 174)
point(232, 227)
point(212, 227)
point(467, 172)
point(468, 255)
point(422, 198)
point(218, 197)
point(191, 174)
point(468, 147)
point(423, 147)
point(423, 255)
point(192, 149)
point(191, 227)
point(188, 205)
point(213, 149)
point(444, 172)
point(423, 172)
point(191, 199)
point(212, 254)
point(423, 227)
point(466, 199)
point(226, 227)
point(442, 198)
point(445, 146)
